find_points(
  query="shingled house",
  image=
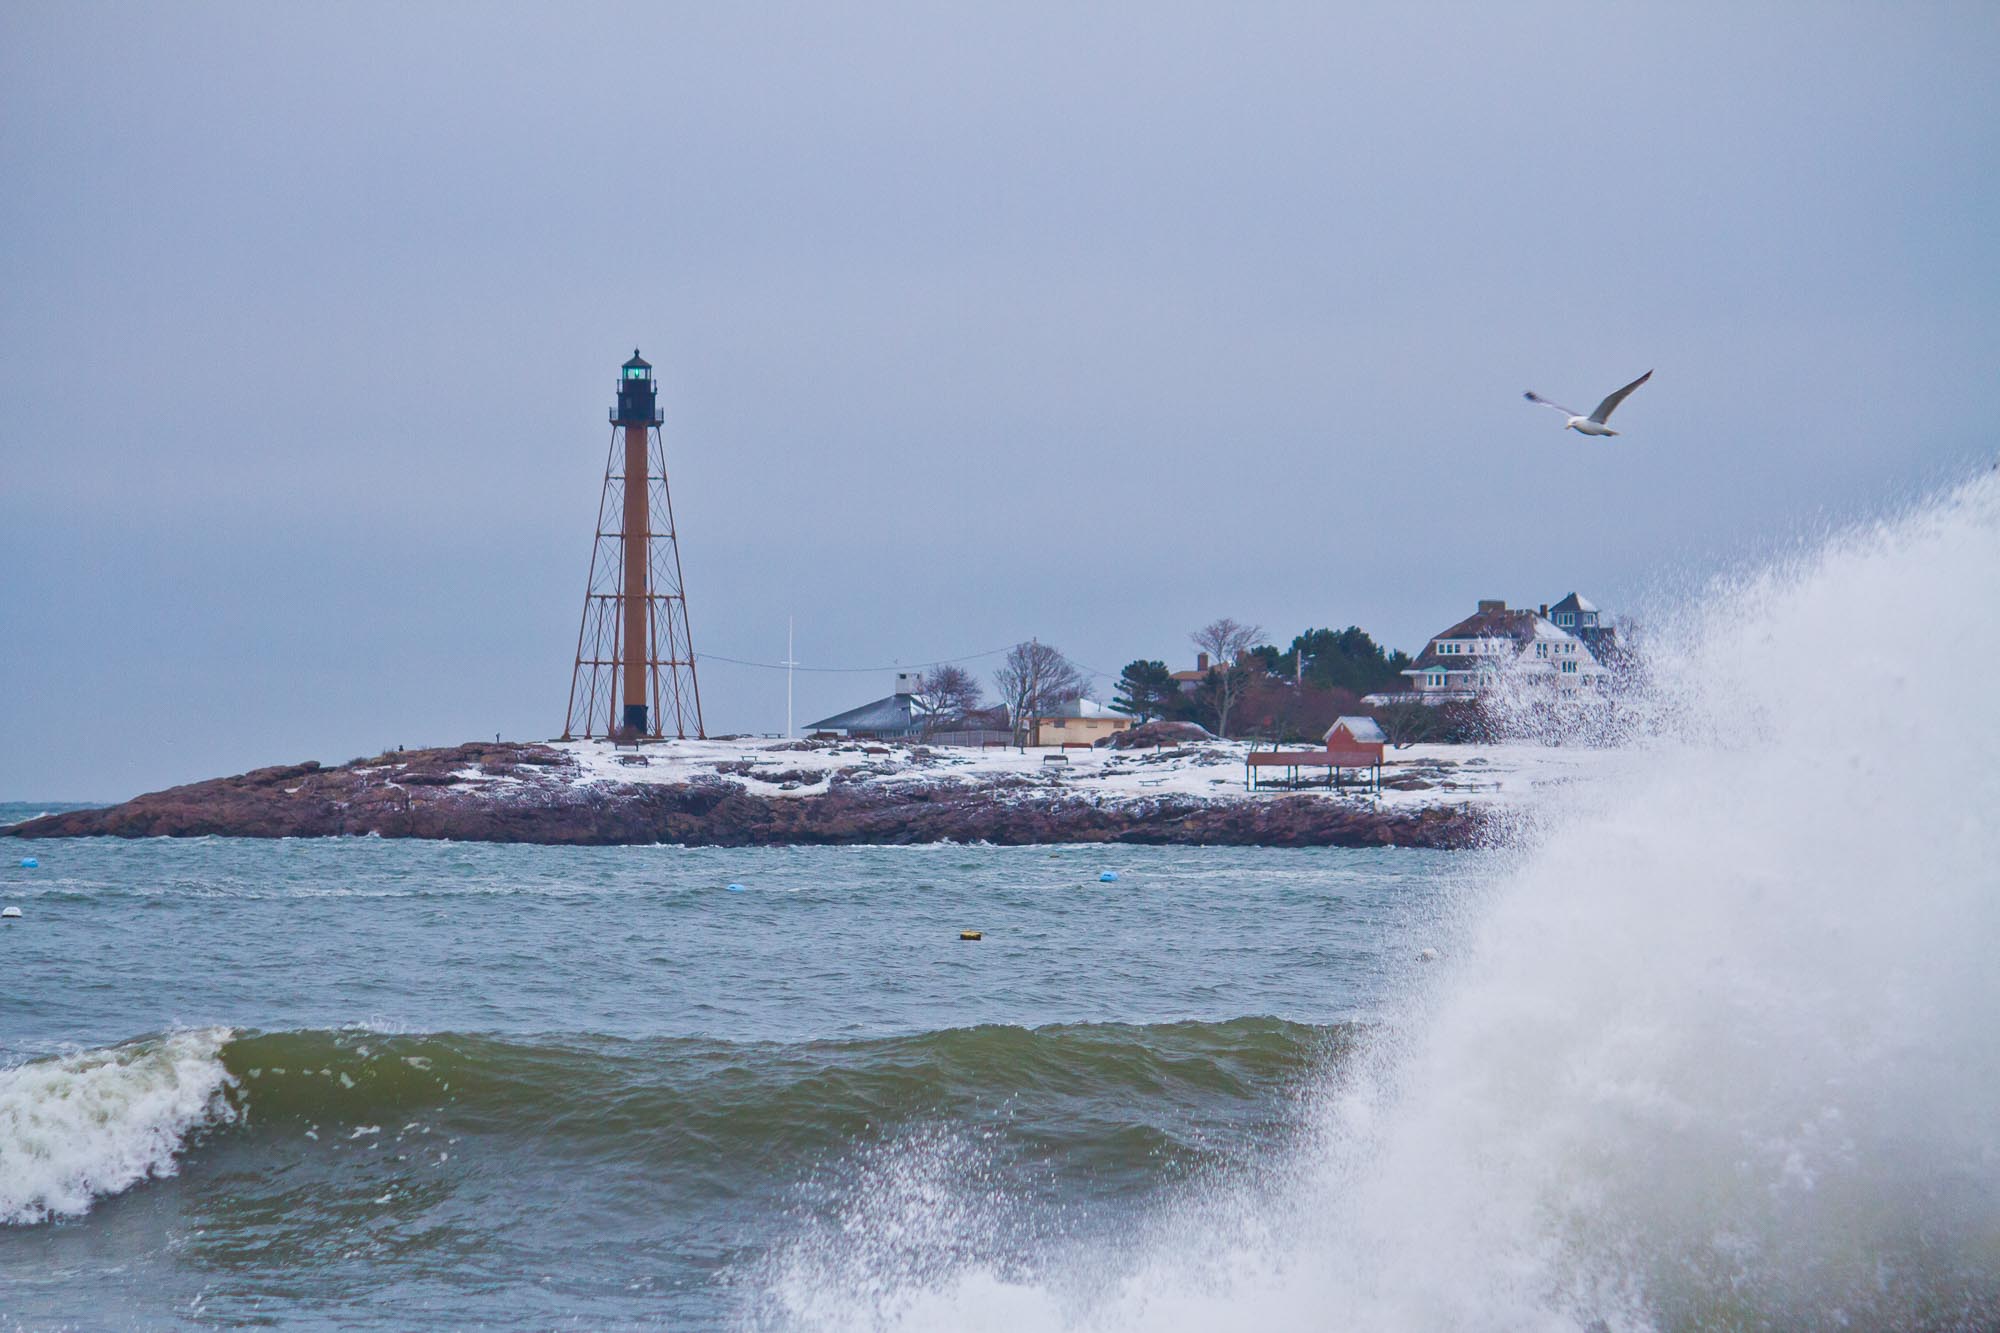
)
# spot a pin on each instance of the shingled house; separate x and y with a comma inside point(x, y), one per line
point(1495, 645)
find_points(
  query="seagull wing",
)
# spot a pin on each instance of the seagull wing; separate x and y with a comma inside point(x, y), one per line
point(1605, 408)
point(1534, 397)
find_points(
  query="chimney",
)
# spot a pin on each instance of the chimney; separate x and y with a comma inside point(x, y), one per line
point(1492, 604)
point(1201, 662)
point(1544, 612)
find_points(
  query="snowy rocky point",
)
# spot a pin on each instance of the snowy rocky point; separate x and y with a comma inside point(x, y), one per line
point(1417, 776)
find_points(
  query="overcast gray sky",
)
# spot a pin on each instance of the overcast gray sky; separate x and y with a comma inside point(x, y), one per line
point(1089, 322)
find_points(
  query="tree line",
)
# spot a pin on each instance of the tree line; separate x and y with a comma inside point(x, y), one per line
point(1251, 688)
point(1259, 690)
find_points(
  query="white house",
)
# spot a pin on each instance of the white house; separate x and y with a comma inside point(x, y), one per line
point(1493, 647)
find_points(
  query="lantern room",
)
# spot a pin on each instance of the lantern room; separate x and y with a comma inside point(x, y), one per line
point(636, 401)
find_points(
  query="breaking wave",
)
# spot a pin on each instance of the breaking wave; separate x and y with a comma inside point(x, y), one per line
point(1717, 1050)
point(77, 1128)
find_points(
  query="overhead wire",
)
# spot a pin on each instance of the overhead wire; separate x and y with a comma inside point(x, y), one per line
point(894, 666)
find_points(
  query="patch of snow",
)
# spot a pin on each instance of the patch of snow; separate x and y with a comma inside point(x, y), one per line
point(1212, 770)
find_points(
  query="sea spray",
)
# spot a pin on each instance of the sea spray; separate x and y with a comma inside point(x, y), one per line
point(1718, 1052)
point(77, 1128)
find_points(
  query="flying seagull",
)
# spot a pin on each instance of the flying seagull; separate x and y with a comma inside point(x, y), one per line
point(1594, 423)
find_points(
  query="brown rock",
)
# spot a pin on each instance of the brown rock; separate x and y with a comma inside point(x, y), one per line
point(545, 805)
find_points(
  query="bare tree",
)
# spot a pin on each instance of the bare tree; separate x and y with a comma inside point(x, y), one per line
point(1407, 724)
point(1226, 641)
point(1032, 678)
point(946, 693)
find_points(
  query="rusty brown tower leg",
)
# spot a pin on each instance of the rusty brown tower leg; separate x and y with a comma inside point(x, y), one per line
point(635, 643)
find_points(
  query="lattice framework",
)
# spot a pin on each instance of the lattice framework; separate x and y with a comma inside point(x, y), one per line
point(595, 707)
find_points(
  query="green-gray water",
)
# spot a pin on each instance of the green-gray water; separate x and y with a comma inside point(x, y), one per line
point(356, 1082)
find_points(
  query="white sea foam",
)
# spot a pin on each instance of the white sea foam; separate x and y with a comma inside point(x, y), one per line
point(1719, 1051)
point(78, 1128)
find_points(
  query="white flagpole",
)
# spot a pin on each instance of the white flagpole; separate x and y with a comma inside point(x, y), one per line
point(789, 664)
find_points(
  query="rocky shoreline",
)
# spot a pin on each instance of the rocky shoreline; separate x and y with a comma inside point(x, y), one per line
point(513, 792)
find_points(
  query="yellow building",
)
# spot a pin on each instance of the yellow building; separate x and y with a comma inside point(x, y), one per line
point(1084, 720)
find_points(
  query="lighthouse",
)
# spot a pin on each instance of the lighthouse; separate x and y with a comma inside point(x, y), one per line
point(635, 667)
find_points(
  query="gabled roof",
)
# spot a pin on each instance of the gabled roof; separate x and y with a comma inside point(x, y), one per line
point(1519, 626)
point(1362, 729)
point(1573, 602)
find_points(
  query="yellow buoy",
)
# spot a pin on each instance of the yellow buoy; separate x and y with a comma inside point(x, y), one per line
point(970, 935)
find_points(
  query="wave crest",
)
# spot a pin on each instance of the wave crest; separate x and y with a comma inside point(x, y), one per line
point(78, 1128)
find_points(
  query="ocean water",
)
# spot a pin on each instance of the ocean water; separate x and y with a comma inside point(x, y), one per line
point(1712, 1044)
point(363, 1082)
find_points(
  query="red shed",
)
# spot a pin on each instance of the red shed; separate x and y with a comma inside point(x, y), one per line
point(1359, 737)
point(1351, 742)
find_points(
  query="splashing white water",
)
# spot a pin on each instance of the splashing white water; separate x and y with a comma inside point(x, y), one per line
point(1721, 1051)
point(79, 1128)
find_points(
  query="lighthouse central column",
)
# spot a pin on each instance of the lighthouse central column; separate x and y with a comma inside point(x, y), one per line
point(638, 639)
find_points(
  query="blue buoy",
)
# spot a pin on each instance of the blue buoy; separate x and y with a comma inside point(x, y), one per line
point(736, 888)
point(29, 863)
point(1108, 877)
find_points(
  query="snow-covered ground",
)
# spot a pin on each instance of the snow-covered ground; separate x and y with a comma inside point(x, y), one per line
point(1417, 776)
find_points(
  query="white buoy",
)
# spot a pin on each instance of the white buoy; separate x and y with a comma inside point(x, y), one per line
point(10, 911)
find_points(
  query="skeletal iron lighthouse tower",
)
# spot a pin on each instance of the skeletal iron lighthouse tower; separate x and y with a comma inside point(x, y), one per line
point(634, 673)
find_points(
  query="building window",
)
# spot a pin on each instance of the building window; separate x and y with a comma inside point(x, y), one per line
point(1569, 668)
point(1565, 618)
